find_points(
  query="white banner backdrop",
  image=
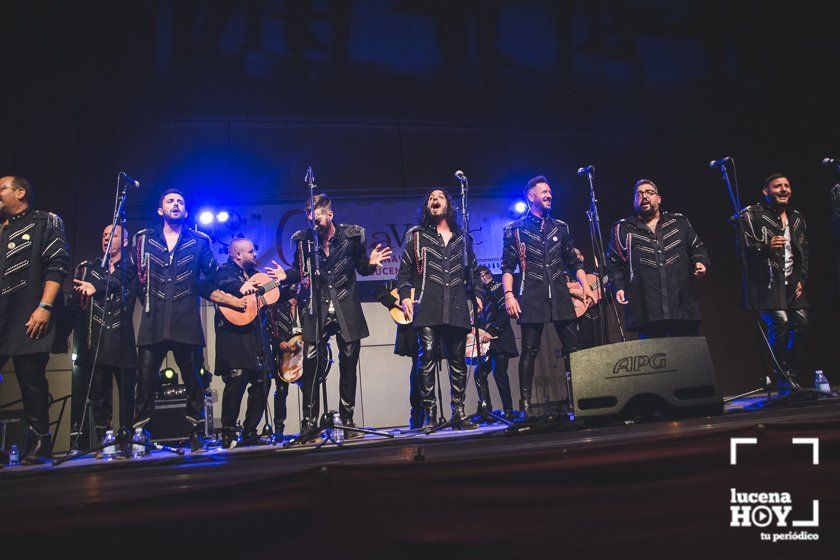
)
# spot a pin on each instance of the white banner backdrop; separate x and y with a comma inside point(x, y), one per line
point(385, 221)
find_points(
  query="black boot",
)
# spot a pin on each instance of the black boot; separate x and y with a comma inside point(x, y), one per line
point(525, 407)
point(351, 434)
point(197, 441)
point(461, 422)
point(430, 419)
point(309, 431)
point(40, 452)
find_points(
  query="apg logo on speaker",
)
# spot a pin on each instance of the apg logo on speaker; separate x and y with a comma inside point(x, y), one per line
point(642, 363)
point(772, 510)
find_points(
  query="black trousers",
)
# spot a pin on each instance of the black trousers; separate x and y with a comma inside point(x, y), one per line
point(30, 371)
point(348, 361)
point(787, 331)
point(497, 364)
point(236, 381)
point(415, 394)
point(188, 358)
point(531, 339)
point(669, 328)
point(103, 409)
point(281, 394)
point(453, 340)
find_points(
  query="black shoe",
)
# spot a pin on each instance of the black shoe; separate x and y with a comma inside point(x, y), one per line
point(430, 420)
point(309, 432)
point(351, 434)
point(228, 438)
point(511, 416)
point(40, 452)
point(249, 438)
point(197, 442)
point(461, 422)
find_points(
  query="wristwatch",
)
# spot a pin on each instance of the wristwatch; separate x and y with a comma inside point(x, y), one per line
point(45, 305)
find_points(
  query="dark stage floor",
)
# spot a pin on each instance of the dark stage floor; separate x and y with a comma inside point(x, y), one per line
point(652, 486)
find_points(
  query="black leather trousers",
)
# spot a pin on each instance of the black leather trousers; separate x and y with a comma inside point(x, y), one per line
point(150, 359)
point(348, 361)
point(787, 331)
point(531, 338)
point(236, 381)
point(281, 393)
point(454, 342)
point(30, 371)
point(103, 383)
point(498, 365)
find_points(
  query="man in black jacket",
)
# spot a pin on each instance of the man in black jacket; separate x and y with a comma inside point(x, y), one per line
point(773, 246)
point(543, 249)
point(495, 321)
point(103, 305)
point(432, 267)
point(34, 260)
point(342, 255)
point(243, 354)
point(651, 260)
point(175, 266)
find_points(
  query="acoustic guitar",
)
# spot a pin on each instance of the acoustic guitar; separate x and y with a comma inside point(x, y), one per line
point(291, 368)
point(576, 292)
point(270, 293)
point(396, 311)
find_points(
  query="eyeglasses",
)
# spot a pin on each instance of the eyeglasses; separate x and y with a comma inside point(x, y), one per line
point(648, 193)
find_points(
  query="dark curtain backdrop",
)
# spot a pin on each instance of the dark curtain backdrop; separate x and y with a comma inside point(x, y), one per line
point(230, 102)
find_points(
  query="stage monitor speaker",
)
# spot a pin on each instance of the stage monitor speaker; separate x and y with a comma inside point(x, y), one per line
point(645, 380)
point(169, 422)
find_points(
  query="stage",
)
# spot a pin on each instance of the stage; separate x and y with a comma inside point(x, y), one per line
point(652, 487)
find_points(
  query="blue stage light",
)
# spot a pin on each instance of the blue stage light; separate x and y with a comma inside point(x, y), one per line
point(222, 216)
point(520, 206)
point(205, 217)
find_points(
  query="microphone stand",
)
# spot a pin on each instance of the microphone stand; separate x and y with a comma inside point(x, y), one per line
point(470, 287)
point(795, 388)
point(124, 434)
point(599, 258)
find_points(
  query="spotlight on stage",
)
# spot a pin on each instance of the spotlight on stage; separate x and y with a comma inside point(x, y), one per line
point(168, 376)
point(518, 208)
point(222, 216)
point(205, 217)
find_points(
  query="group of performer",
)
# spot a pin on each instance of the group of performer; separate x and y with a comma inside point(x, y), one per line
point(652, 258)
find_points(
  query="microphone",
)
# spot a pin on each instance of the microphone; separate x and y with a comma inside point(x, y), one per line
point(460, 176)
point(831, 162)
point(586, 170)
point(128, 181)
point(719, 162)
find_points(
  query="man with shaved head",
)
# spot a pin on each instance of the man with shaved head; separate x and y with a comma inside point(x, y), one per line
point(34, 261)
point(243, 354)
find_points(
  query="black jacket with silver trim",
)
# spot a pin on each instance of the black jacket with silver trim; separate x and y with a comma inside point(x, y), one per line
point(436, 272)
point(543, 250)
point(33, 249)
point(337, 279)
point(169, 285)
point(762, 268)
point(655, 270)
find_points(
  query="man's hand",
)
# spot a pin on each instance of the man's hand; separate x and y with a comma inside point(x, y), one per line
point(619, 297)
point(699, 269)
point(249, 287)
point(777, 242)
point(589, 296)
point(377, 255)
point(223, 298)
point(285, 347)
point(408, 308)
point(485, 336)
point(512, 306)
point(277, 273)
point(85, 288)
point(798, 291)
point(38, 322)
